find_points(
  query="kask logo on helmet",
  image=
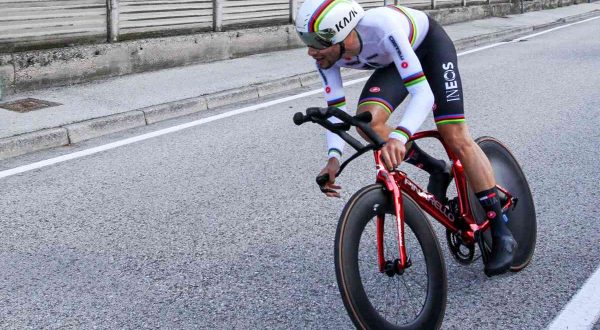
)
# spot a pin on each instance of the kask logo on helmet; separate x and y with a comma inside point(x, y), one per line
point(322, 23)
point(346, 20)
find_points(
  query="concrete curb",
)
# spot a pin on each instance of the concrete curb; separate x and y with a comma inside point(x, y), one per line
point(84, 130)
point(170, 110)
point(489, 38)
point(34, 141)
point(510, 34)
point(92, 128)
point(227, 97)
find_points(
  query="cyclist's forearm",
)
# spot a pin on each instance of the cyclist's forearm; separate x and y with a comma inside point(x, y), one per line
point(335, 144)
point(417, 111)
point(334, 95)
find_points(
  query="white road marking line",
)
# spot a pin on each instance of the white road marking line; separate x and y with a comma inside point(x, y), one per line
point(91, 151)
point(583, 311)
point(553, 29)
point(525, 37)
point(482, 48)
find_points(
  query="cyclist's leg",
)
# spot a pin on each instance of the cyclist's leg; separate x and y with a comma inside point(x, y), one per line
point(441, 69)
point(481, 177)
point(381, 98)
point(381, 95)
point(477, 167)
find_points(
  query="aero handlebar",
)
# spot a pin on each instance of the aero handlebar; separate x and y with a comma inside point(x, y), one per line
point(321, 116)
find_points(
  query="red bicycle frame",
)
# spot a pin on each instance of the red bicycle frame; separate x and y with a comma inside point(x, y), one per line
point(397, 182)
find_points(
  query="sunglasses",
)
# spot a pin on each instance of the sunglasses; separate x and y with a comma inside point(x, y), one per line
point(318, 40)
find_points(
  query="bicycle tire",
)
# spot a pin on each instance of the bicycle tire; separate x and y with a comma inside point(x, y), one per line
point(522, 219)
point(358, 212)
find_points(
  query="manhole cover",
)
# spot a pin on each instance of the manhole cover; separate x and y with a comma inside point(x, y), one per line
point(26, 105)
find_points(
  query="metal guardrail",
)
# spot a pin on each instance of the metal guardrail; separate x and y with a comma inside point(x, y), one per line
point(44, 20)
point(50, 21)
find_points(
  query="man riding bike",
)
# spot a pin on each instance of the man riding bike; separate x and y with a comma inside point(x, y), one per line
point(410, 53)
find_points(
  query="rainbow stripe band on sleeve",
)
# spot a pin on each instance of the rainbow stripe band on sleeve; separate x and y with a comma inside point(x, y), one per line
point(341, 102)
point(334, 151)
point(450, 119)
point(414, 79)
point(317, 17)
point(403, 131)
point(377, 101)
point(412, 33)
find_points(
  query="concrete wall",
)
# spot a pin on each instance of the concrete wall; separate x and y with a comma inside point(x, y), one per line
point(462, 14)
point(70, 65)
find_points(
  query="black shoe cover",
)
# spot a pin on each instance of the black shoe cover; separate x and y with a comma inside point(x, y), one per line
point(439, 182)
point(500, 260)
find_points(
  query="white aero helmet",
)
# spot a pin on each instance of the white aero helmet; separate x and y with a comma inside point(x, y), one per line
point(323, 23)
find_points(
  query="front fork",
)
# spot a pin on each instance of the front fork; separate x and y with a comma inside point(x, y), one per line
point(384, 177)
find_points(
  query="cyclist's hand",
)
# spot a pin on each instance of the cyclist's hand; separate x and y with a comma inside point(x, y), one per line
point(331, 169)
point(393, 153)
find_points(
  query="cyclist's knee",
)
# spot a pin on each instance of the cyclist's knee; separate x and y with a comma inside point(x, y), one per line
point(457, 138)
point(378, 123)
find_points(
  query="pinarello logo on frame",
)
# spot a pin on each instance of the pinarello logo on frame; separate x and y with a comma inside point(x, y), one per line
point(327, 89)
point(404, 65)
point(375, 90)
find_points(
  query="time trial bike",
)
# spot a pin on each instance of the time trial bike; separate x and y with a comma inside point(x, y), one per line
point(388, 261)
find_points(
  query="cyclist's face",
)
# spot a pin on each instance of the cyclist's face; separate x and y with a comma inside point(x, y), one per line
point(325, 57)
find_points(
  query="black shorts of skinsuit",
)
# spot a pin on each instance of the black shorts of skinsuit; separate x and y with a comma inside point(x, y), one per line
point(439, 61)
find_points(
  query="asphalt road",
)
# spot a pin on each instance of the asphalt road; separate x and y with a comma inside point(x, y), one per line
point(221, 225)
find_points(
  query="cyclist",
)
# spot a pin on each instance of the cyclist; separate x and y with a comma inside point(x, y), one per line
point(410, 53)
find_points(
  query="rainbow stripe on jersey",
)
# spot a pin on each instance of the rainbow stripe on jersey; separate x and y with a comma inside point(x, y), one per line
point(377, 101)
point(450, 119)
point(403, 131)
point(412, 26)
point(334, 151)
point(414, 79)
point(337, 102)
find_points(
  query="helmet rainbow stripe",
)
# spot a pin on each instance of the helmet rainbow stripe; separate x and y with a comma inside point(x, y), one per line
point(322, 23)
point(317, 17)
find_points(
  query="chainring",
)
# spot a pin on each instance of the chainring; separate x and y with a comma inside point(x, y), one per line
point(463, 253)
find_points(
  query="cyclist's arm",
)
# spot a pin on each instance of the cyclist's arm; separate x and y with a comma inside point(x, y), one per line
point(334, 95)
point(409, 67)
